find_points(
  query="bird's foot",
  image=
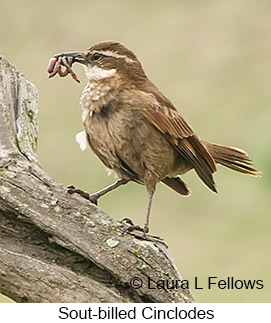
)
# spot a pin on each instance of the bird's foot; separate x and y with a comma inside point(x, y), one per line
point(140, 232)
point(133, 227)
point(92, 198)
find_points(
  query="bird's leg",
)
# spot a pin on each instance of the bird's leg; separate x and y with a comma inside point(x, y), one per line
point(147, 219)
point(94, 197)
point(109, 188)
point(145, 228)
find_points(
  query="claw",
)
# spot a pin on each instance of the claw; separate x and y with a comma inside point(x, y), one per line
point(81, 193)
point(139, 233)
point(127, 220)
point(92, 198)
point(133, 227)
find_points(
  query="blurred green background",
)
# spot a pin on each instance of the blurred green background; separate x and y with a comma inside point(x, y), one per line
point(212, 59)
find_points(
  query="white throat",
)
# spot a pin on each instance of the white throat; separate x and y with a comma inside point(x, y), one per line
point(96, 73)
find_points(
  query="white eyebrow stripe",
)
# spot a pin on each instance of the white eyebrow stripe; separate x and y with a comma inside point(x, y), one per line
point(116, 55)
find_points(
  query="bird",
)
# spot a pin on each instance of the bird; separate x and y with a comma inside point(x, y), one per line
point(137, 132)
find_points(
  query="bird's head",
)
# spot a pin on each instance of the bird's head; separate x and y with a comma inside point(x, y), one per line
point(109, 59)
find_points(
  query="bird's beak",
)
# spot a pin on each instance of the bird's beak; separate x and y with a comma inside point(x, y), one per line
point(78, 57)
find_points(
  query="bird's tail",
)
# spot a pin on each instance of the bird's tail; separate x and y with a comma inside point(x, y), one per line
point(178, 185)
point(231, 157)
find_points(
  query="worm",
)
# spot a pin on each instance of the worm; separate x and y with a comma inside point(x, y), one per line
point(68, 63)
point(51, 64)
point(55, 67)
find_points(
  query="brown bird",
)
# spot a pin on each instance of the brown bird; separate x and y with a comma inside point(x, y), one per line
point(137, 132)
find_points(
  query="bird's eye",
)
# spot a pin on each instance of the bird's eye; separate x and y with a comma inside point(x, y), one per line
point(96, 56)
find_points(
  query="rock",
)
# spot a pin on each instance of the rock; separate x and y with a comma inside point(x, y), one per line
point(19, 112)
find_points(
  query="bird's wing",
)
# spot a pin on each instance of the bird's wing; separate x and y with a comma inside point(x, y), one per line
point(167, 120)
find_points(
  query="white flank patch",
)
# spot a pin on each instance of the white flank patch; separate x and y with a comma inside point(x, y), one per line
point(81, 139)
point(110, 172)
point(96, 73)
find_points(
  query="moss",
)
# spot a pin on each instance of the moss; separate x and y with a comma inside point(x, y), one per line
point(31, 114)
point(137, 251)
point(8, 65)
